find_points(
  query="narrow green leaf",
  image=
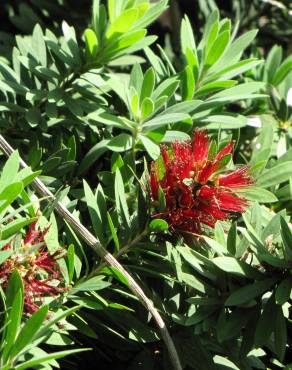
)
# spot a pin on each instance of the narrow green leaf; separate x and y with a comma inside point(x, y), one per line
point(283, 291)
point(121, 202)
point(113, 232)
point(280, 334)
point(147, 108)
point(217, 49)
point(46, 358)
point(163, 119)
point(123, 23)
point(187, 83)
point(231, 239)
point(275, 175)
point(287, 237)
point(249, 292)
point(9, 171)
point(120, 143)
point(93, 284)
point(152, 148)
point(265, 325)
point(14, 319)
point(148, 84)
point(282, 72)
point(91, 44)
point(15, 226)
point(258, 194)
point(237, 267)
point(28, 331)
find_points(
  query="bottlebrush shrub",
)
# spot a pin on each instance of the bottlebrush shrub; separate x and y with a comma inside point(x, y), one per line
point(89, 107)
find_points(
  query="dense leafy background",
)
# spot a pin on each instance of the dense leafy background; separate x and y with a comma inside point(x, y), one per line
point(87, 101)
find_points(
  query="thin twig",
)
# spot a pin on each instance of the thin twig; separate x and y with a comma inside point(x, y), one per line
point(94, 243)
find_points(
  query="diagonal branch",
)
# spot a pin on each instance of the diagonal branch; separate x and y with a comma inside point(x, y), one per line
point(94, 243)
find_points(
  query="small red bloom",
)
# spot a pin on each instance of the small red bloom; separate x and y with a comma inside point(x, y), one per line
point(195, 193)
point(38, 268)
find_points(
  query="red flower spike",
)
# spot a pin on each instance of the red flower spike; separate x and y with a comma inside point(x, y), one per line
point(236, 179)
point(39, 269)
point(195, 194)
point(226, 150)
point(200, 146)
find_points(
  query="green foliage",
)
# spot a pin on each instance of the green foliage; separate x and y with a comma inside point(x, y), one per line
point(88, 102)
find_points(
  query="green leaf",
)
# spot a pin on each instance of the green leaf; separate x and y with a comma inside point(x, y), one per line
point(287, 238)
point(93, 155)
point(9, 194)
point(91, 43)
point(226, 121)
point(122, 23)
point(152, 149)
point(152, 13)
point(136, 78)
point(147, 108)
point(134, 103)
point(216, 246)
point(275, 175)
point(158, 225)
point(239, 92)
point(213, 86)
point(217, 49)
point(249, 292)
point(113, 232)
point(148, 84)
point(265, 325)
point(70, 258)
point(121, 202)
point(186, 36)
point(14, 319)
point(257, 194)
point(37, 360)
point(187, 83)
point(56, 318)
point(231, 71)
point(231, 239)
point(280, 334)
point(224, 363)
point(263, 143)
point(95, 15)
point(118, 275)
point(162, 120)
point(283, 291)
point(173, 135)
point(235, 50)
point(28, 331)
point(96, 210)
point(9, 171)
point(237, 267)
point(14, 226)
point(166, 88)
point(282, 72)
point(39, 46)
point(120, 143)
point(93, 284)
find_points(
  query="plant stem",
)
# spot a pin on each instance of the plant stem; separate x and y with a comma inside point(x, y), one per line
point(94, 243)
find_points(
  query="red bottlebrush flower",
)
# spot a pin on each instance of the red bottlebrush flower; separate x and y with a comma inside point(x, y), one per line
point(38, 268)
point(195, 193)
